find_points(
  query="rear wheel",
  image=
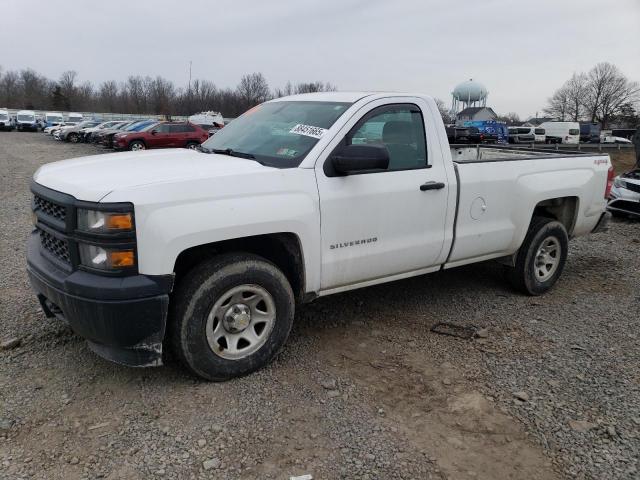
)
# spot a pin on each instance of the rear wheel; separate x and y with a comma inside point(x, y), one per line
point(230, 316)
point(541, 258)
point(192, 145)
point(137, 145)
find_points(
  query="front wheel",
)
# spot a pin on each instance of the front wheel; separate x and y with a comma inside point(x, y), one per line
point(541, 257)
point(230, 316)
point(137, 145)
point(73, 138)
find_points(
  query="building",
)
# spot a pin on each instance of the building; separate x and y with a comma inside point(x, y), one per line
point(472, 114)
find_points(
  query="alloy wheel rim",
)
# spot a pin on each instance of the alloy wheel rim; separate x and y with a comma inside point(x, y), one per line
point(240, 321)
point(547, 258)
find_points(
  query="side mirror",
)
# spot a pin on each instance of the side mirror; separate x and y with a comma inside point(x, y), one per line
point(154, 131)
point(360, 158)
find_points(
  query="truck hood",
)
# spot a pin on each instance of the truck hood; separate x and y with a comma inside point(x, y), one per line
point(92, 178)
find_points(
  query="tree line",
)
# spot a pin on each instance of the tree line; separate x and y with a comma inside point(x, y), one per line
point(27, 89)
point(603, 94)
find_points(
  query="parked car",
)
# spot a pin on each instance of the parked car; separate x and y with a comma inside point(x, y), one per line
point(521, 135)
point(53, 129)
point(71, 133)
point(107, 136)
point(26, 120)
point(162, 135)
point(87, 133)
point(625, 195)
point(281, 207)
point(590, 132)
point(5, 120)
point(51, 119)
point(99, 136)
point(614, 139)
point(562, 132)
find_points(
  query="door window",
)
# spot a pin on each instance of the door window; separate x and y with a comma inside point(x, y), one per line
point(399, 128)
point(163, 128)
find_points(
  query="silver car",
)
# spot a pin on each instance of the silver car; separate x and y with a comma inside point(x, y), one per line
point(624, 199)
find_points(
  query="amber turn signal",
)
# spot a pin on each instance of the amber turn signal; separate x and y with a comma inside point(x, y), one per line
point(122, 259)
point(119, 221)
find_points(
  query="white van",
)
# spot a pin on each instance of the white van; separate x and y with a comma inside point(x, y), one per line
point(26, 120)
point(51, 119)
point(74, 118)
point(5, 120)
point(540, 135)
point(561, 132)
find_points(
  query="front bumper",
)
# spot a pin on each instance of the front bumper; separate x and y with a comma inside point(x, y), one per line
point(122, 318)
point(624, 200)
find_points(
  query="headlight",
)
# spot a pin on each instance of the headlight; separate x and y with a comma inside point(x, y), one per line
point(95, 221)
point(106, 258)
point(619, 183)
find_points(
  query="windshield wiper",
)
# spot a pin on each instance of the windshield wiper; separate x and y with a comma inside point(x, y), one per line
point(232, 153)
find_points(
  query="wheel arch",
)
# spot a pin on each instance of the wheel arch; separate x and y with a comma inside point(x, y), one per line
point(562, 209)
point(283, 249)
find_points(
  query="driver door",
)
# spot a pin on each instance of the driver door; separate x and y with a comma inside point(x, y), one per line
point(380, 224)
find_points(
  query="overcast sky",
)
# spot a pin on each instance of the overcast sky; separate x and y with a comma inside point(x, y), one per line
point(520, 50)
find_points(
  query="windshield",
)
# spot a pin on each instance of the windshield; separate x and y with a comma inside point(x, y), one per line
point(278, 134)
point(26, 118)
point(53, 118)
point(4, 116)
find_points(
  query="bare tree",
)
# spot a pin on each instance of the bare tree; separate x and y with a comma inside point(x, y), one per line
point(576, 90)
point(558, 104)
point(10, 90)
point(511, 118)
point(253, 89)
point(68, 88)
point(444, 112)
point(608, 91)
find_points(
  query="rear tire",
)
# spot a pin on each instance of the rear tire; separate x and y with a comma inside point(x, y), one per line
point(541, 257)
point(230, 316)
point(192, 145)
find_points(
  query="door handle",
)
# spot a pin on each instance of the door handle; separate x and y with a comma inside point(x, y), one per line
point(431, 186)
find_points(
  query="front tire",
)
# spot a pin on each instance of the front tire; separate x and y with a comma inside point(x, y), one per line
point(541, 257)
point(73, 138)
point(231, 315)
point(137, 145)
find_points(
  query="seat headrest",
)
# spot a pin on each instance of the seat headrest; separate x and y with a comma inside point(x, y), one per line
point(398, 131)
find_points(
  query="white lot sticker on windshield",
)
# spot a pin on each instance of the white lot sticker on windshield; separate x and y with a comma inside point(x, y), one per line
point(308, 130)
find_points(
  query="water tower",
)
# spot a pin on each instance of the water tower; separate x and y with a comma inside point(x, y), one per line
point(468, 94)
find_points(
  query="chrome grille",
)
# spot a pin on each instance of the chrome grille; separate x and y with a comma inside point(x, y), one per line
point(634, 187)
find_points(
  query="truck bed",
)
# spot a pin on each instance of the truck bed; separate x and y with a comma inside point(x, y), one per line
point(499, 186)
point(498, 153)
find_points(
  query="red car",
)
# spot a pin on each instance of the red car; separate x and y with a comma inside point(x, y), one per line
point(162, 135)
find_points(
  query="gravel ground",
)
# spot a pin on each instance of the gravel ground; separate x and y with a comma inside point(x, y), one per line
point(363, 389)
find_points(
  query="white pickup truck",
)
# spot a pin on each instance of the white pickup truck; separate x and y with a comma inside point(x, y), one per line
point(210, 252)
